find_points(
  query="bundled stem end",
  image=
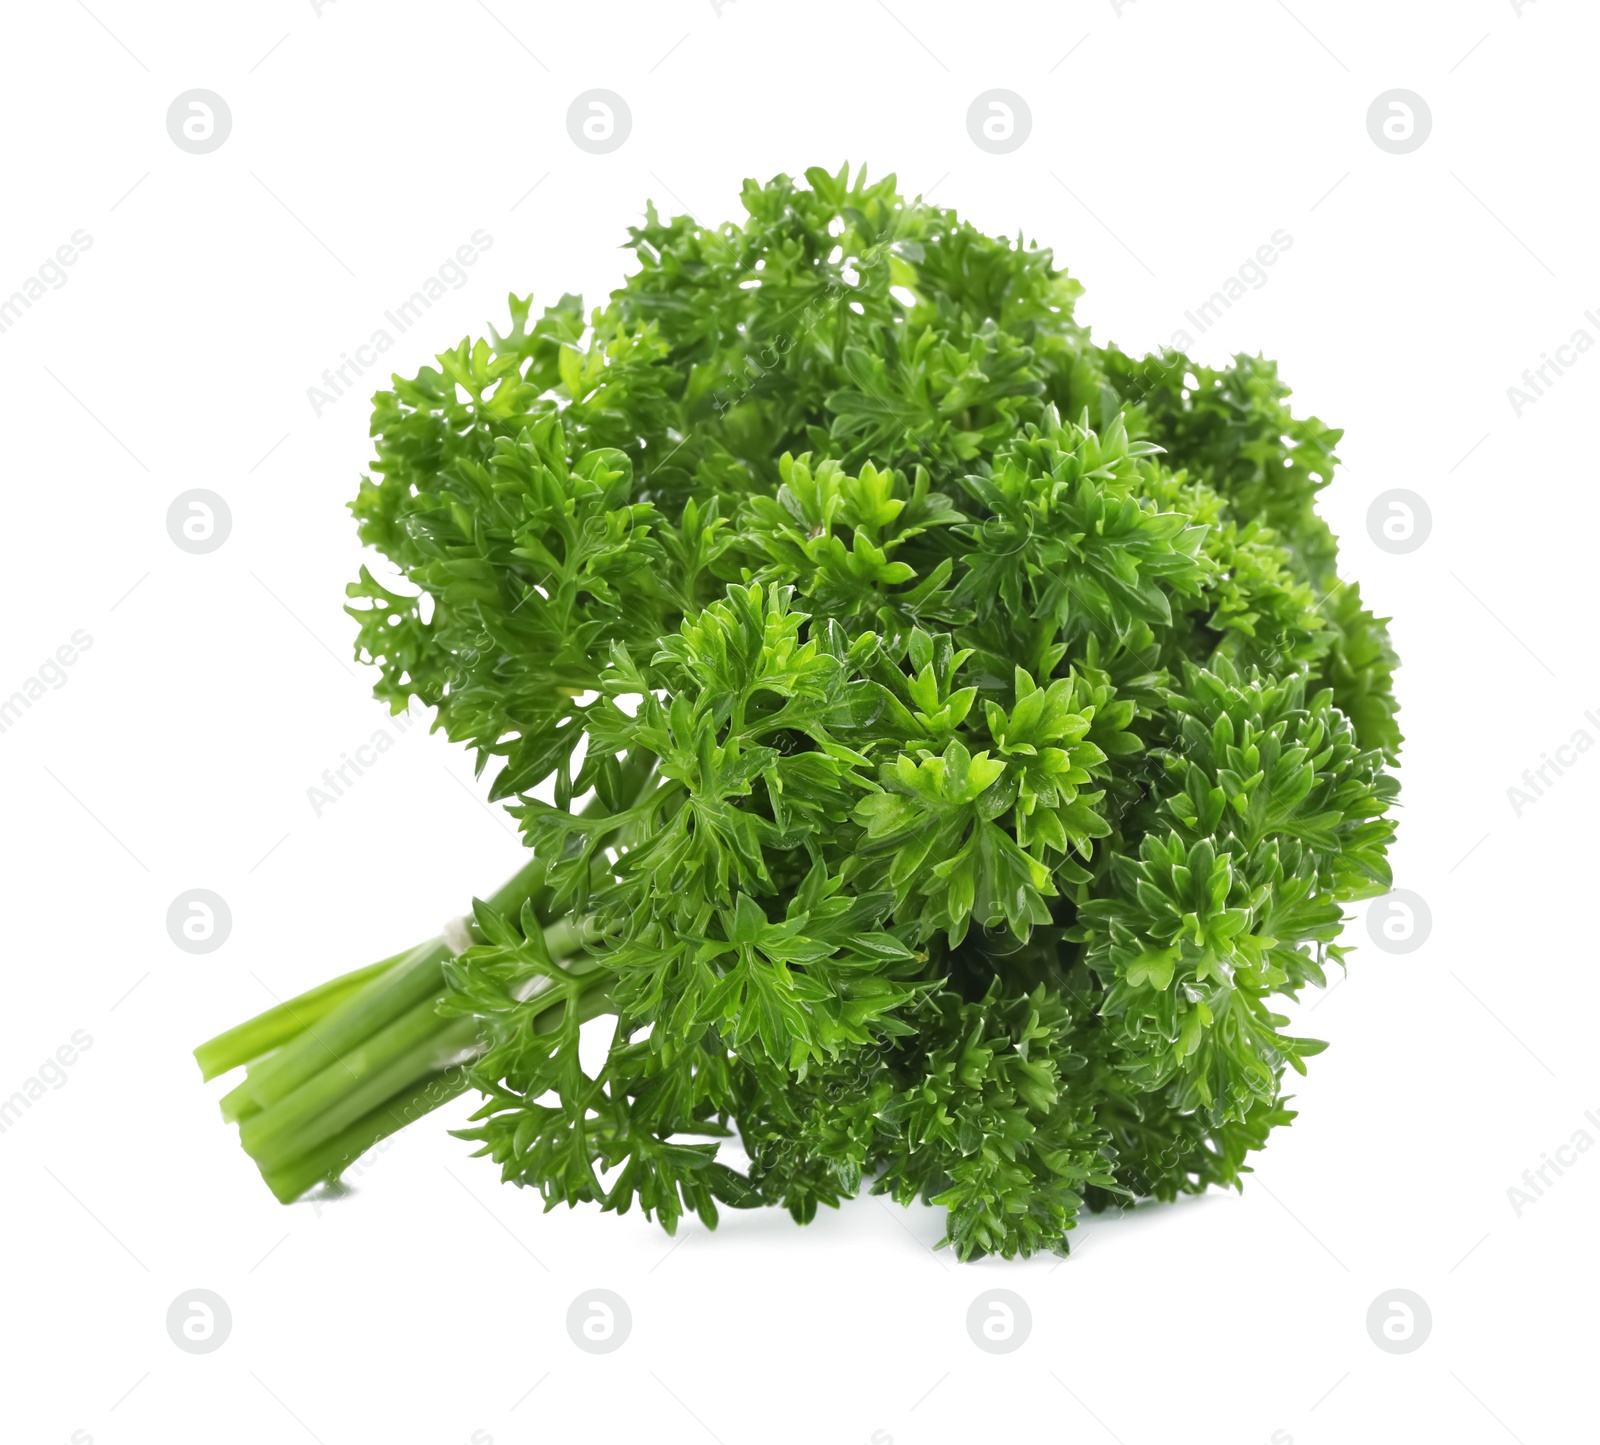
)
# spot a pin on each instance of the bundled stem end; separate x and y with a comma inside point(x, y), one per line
point(337, 1069)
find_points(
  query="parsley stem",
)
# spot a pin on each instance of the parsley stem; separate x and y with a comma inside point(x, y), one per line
point(358, 1081)
point(413, 983)
point(332, 1157)
point(400, 984)
point(337, 1121)
point(265, 1032)
point(334, 1070)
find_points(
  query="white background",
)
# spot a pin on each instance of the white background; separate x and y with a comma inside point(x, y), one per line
point(368, 143)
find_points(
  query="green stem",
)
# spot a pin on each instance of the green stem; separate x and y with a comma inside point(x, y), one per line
point(390, 1061)
point(333, 1156)
point(342, 1066)
point(321, 1039)
point(265, 1032)
point(414, 982)
point(352, 1080)
point(417, 977)
point(310, 1159)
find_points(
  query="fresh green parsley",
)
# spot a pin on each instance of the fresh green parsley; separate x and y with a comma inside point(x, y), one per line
point(941, 740)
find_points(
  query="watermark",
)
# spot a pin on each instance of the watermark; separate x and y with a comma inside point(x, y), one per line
point(1537, 381)
point(757, 363)
point(599, 1321)
point(1399, 121)
point(337, 1184)
point(355, 1169)
point(999, 121)
point(1399, 1321)
point(1537, 1179)
point(50, 1076)
point(199, 121)
point(51, 273)
point(199, 921)
point(1538, 781)
point(451, 275)
point(1398, 521)
point(1251, 275)
point(50, 676)
point(199, 1321)
point(599, 121)
point(338, 781)
point(198, 521)
point(999, 1321)
point(1400, 921)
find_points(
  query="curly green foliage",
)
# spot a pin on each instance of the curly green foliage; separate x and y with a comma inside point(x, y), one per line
point(1233, 429)
point(942, 739)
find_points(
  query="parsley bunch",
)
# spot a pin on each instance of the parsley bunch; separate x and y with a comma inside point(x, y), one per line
point(940, 739)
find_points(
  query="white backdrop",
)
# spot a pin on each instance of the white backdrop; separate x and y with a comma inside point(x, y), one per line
point(208, 290)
